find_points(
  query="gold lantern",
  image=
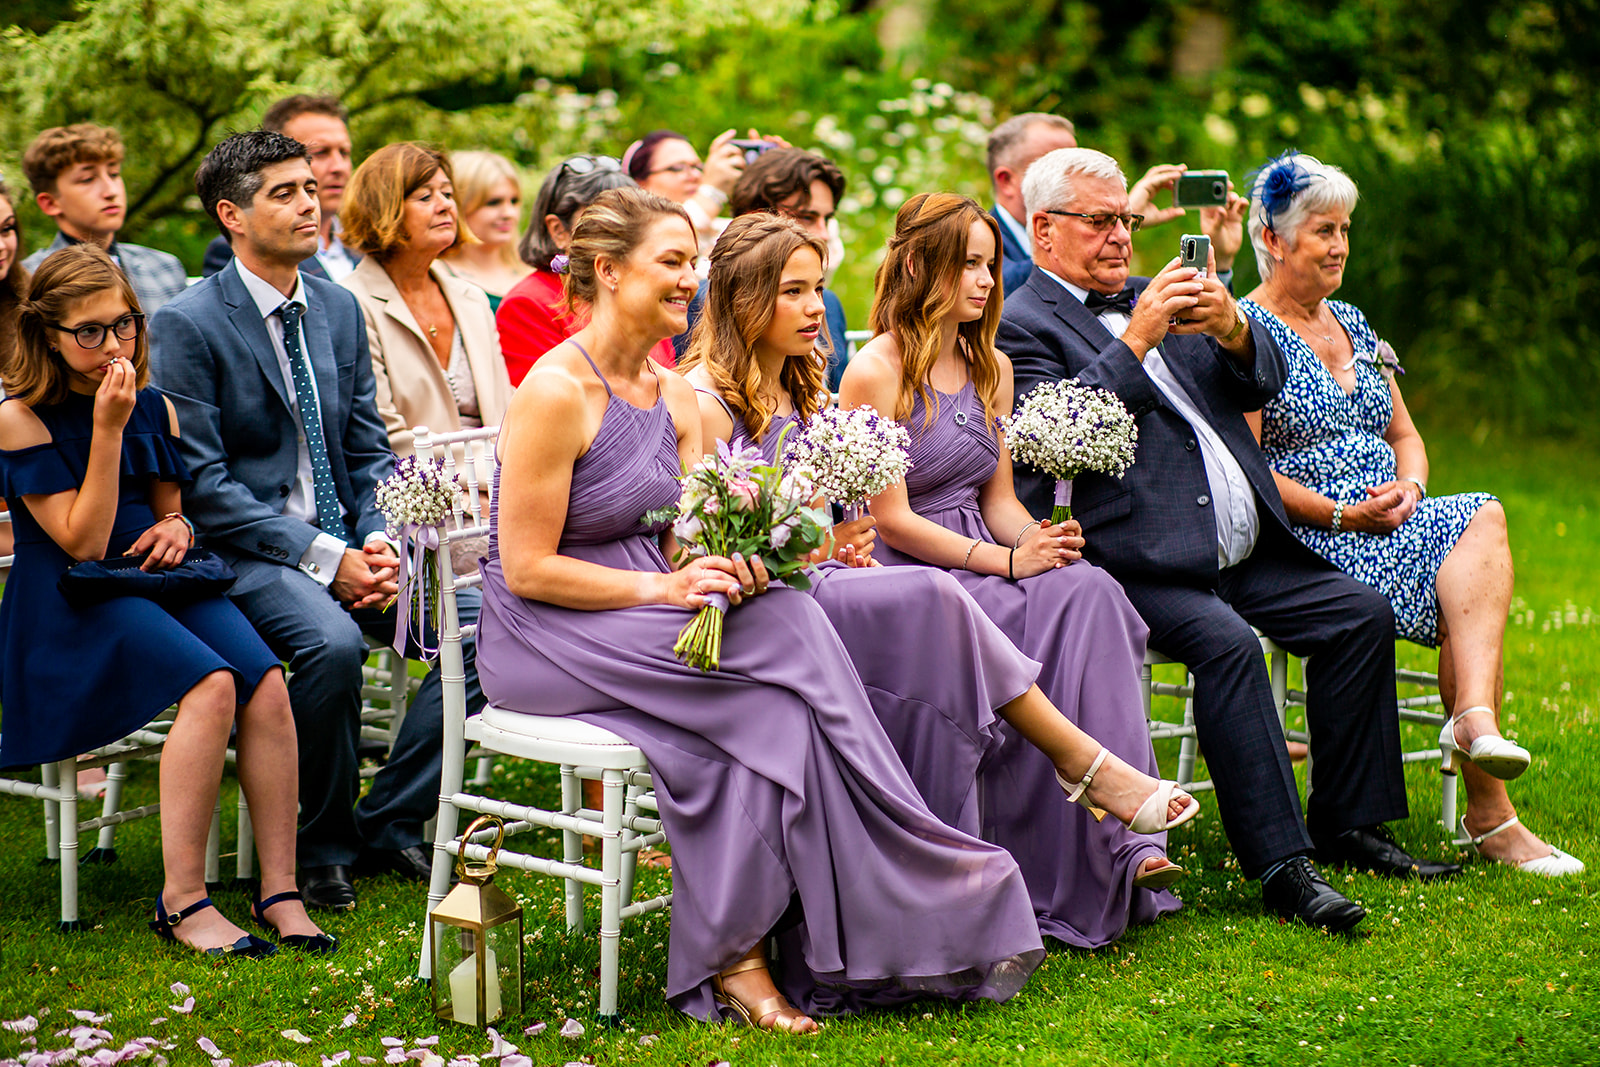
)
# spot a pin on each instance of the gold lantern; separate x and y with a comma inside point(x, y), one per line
point(476, 933)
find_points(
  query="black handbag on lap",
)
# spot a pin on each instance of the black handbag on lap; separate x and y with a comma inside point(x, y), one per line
point(202, 574)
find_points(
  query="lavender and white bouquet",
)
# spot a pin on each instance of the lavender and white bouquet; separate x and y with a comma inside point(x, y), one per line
point(415, 500)
point(1065, 428)
point(852, 454)
point(733, 502)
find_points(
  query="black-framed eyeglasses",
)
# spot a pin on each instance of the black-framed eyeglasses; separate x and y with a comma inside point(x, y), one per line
point(1102, 221)
point(92, 335)
point(590, 164)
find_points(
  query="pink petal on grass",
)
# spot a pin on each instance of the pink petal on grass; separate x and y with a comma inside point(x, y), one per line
point(391, 1042)
point(348, 1021)
point(295, 1036)
point(179, 989)
point(572, 1028)
point(396, 1055)
point(424, 1042)
point(499, 1046)
point(518, 1060)
point(336, 1058)
point(158, 1020)
point(185, 1008)
point(208, 1046)
point(366, 1059)
point(535, 1030)
point(89, 1016)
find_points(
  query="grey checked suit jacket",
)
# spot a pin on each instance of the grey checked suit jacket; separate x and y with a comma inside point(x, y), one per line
point(210, 352)
point(156, 276)
point(1156, 521)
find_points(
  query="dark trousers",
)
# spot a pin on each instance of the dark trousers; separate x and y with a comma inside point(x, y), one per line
point(1345, 631)
point(306, 627)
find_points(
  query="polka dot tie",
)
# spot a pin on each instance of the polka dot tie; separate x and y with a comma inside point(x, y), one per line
point(329, 516)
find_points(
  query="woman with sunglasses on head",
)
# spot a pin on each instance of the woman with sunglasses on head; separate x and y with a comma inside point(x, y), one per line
point(937, 669)
point(933, 364)
point(90, 467)
point(534, 317)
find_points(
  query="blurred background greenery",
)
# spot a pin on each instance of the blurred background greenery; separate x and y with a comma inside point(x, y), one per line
point(1467, 124)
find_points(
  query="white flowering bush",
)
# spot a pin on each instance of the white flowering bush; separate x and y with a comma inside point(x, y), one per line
point(851, 454)
point(1065, 428)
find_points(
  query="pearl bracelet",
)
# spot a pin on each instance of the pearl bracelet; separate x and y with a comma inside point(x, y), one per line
point(968, 556)
point(1338, 517)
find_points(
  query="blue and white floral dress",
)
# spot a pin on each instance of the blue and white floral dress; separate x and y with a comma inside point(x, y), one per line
point(1332, 442)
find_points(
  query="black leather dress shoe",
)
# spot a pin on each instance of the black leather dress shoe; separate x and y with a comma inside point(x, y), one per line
point(328, 888)
point(1373, 848)
point(1297, 891)
point(414, 862)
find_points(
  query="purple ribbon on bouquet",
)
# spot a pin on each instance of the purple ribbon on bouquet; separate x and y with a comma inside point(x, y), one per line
point(1063, 492)
point(416, 543)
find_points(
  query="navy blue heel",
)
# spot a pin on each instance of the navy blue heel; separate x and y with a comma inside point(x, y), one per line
point(249, 946)
point(313, 944)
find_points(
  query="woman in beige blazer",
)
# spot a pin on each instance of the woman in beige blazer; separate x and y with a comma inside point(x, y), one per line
point(435, 352)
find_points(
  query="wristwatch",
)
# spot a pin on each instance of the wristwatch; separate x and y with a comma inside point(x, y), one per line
point(1238, 327)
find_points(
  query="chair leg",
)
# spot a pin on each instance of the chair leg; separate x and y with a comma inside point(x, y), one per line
point(67, 794)
point(214, 846)
point(572, 846)
point(1447, 801)
point(50, 778)
point(485, 772)
point(1189, 747)
point(244, 861)
point(610, 891)
point(630, 860)
point(105, 849)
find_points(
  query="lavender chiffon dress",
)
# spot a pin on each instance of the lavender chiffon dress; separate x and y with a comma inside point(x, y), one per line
point(933, 664)
point(1078, 624)
point(785, 803)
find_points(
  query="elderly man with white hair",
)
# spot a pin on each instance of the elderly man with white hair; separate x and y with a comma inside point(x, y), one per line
point(1197, 535)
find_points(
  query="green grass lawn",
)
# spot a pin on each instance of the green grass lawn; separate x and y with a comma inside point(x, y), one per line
point(1492, 967)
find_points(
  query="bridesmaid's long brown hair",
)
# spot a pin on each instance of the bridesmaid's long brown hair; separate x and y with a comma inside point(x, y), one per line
point(746, 270)
point(916, 289)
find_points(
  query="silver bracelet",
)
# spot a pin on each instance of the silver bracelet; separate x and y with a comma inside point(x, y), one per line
point(1024, 533)
point(968, 556)
point(1338, 517)
point(1422, 489)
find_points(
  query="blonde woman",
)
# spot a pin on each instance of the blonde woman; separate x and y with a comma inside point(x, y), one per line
point(489, 200)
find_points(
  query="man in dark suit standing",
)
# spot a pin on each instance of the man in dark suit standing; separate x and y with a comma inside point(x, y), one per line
point(1013, 146)
point(1196, 534)
point(270, 372)
point(319, 123)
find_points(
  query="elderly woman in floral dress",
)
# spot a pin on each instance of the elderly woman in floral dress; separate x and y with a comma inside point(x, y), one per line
point(1353, 472)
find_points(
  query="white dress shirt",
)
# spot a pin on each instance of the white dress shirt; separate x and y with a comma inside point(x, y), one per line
point(334, 256)
point(1233, 500)
point(1018, 230)
point(321, 559)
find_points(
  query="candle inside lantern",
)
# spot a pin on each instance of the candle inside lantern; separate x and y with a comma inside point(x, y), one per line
point(464, 989)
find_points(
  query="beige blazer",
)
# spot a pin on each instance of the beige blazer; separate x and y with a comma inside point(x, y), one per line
point(412, 389)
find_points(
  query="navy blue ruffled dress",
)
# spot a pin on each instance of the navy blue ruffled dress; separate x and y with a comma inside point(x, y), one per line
point(74, 679)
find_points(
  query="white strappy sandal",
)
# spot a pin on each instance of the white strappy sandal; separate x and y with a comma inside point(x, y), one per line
point(1151, 818)
point(1493, 755)
point(1556, 865)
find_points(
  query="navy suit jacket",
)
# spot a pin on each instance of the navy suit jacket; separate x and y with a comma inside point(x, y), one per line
point(211, 353)
point(1015, 262)
point(1156, 521)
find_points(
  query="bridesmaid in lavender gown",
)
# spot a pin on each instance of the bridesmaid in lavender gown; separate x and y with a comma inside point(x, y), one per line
point(935, 667)
point(933, 363)
point(787, 808)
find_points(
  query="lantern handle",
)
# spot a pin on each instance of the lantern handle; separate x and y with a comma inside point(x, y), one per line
point(479, 873)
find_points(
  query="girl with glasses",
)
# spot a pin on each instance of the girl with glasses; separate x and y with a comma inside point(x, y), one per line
point(90, 468)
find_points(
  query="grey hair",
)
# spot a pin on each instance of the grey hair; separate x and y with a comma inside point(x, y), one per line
point(1048, 183)
point(1330, 189)
point(1011, 132)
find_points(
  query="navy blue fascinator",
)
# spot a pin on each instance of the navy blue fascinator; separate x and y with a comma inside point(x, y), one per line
point(1285, 179)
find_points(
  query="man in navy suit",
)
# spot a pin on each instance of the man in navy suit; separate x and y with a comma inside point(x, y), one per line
point(1013, 146)
point(270, 372)
point(1196, 533)
point(318, 122)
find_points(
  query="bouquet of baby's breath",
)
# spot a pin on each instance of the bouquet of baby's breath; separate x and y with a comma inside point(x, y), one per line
point(1064, 428)
point(853, 454)
point(732, 502)
point(415, 500)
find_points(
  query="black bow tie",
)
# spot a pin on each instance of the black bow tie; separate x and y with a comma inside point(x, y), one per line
point(1099, 303)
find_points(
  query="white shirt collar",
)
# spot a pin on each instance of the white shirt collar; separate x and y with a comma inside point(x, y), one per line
point(1018, 230)
point(265, 295)
point(1081, 294)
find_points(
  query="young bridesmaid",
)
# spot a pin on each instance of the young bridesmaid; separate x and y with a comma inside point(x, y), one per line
point(936, 668)
point(933, 364)
point(90, 467)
